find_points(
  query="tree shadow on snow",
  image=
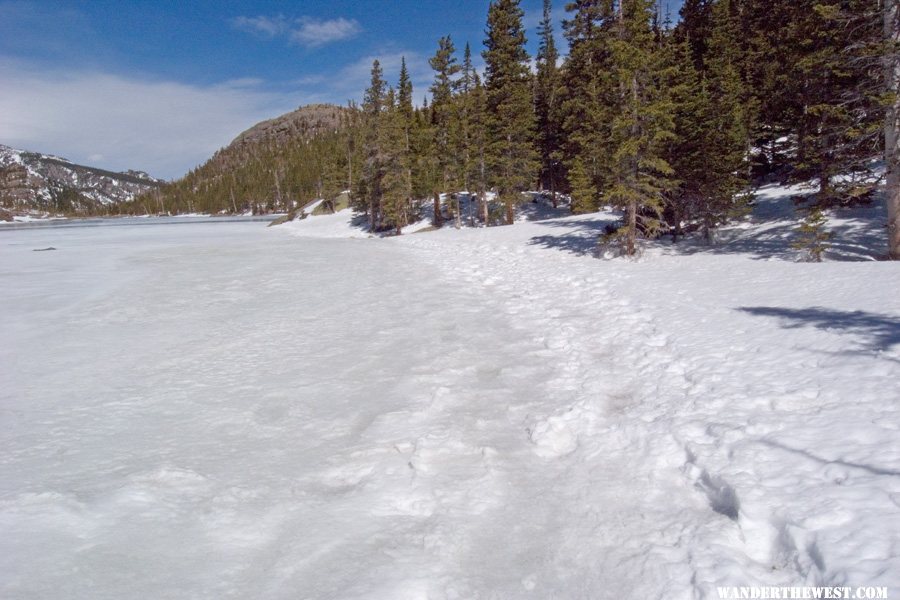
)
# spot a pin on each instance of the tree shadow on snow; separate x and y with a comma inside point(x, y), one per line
point(580, 237)
point(858, 234)
point(824, 461)
point(882, 331)
point(852, 241)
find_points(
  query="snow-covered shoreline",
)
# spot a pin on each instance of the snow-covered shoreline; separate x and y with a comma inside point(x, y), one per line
point(236, 411)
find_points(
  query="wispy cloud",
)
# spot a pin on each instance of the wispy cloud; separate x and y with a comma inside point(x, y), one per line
point(313, 32)
point(305, 31)
point(263, 26)
point(124, 122)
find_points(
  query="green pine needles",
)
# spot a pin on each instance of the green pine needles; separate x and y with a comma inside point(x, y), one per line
point(811, 236)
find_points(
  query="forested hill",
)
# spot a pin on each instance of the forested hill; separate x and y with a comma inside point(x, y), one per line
point(273, 166)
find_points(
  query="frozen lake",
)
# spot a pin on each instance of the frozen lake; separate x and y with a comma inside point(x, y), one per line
point(221, 410)
point(195, 410)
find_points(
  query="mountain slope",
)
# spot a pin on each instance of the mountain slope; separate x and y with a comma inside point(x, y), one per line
point(275, 165)
point(34, 181)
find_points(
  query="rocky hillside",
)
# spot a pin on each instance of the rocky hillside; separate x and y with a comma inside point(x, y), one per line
point(305, 122)
point(30, 181)
point(276, 165)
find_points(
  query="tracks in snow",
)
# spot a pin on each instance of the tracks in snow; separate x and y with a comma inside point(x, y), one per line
point(628, 502)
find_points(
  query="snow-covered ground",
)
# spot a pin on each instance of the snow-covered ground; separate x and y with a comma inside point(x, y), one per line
point(223, 411)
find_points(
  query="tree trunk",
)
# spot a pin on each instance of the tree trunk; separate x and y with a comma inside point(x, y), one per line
point(553, 199)
point(891, 127)
point(438, 220)
point(824, 189)
point(510, 211)
point(632, 228)
point(677, 231)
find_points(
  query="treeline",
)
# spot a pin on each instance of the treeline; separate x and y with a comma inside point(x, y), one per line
point(667, 122)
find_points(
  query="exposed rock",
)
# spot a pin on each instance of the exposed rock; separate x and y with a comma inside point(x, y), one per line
point(305, 122)
point(33, 181)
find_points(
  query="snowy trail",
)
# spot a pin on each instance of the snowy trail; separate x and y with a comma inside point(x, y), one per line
point(618, 513)
point(760, 454)
point(459, 414)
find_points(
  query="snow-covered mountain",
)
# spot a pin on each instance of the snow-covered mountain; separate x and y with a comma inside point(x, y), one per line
point(33, 181)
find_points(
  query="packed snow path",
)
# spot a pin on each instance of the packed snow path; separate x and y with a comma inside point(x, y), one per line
point(222, 411)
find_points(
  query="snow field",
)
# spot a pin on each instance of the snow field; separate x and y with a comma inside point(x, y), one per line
point(224, 411)
point(769, 426)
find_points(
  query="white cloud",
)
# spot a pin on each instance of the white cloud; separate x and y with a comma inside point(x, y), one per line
point(264, 26)
point(119, 123)
point(313, 32)
point(305, 31)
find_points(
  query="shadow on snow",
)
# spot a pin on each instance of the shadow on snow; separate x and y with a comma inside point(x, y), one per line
point(854, 239)
point(881, 331)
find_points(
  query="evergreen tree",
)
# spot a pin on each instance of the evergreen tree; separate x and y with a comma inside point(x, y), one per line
point(511, 154)
point(464, 127)
point(442, 89)
point(812, 237)
point(479, 146)
point(370, 200)
point(642, 128)
point(546, 104)
point(695, 29)
point(724, 127)
point(687, 152)
point(590, 97)
point(394, 183)
point(423, 163)
point(407, 123)
point(828, 121)
point(583, 192)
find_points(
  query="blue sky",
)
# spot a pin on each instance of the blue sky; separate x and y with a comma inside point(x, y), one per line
point(160, 85)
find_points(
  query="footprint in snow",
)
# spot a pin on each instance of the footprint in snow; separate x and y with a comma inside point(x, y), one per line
point(553, 438)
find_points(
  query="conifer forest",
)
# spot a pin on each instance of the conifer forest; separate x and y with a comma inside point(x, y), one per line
point(670, 119)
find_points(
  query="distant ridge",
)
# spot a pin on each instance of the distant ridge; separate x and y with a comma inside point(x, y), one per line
point(31, 181)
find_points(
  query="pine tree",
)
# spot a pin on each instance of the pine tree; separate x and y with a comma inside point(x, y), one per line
point(370, 200)
point(724, 127)
point(687, 152)
point(425, 170)
point(407, 122)
point(827, 120)
point(546, 104)
point(479, 147)
point(642, 128)
point(394, 184)
point(589, 96)
point(442, 89)
point(511, 154)
point(583, 192)
point(812, 237)
point(695, 29)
